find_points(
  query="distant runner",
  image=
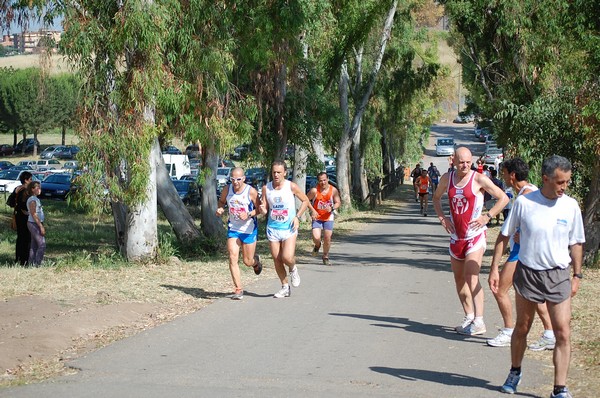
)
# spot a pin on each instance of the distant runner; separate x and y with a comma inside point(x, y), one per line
point(325, 200)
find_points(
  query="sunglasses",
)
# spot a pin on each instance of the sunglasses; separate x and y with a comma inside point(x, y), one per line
point(237, 179)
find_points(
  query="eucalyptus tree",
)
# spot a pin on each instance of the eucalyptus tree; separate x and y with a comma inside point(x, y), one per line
point(354, 94)
point(116, 48)
point(534, 66)
point(202, 105)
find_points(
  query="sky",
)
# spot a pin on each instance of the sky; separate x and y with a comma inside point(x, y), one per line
point(33, 26)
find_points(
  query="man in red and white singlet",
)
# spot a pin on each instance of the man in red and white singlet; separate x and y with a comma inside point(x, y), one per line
point(466, 225)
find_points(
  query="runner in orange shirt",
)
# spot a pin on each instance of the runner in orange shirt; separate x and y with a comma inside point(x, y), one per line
point(422, 185)
point(325, 199)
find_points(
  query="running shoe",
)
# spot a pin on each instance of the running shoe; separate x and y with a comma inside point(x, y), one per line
point(284, 292)
point(237, 295)
point(502, 340)
point(465, 322)
point(544, 343)
point(473, 329)
point(424, 214)
point(295, 277)
point(563, 394)
point(511, 383)
point(257, 265)
point(315, 251)
point(326, 261)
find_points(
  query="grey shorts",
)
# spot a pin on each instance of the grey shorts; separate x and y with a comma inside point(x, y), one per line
point(552, 285)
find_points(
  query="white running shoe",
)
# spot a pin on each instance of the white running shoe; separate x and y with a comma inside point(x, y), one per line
point(465, 322)
point(473, 329)
point(502, 340)
point(284, 292)
point(295, 277)
point(544, 343)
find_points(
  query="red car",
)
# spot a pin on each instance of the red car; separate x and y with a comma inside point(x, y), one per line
point(6, 150)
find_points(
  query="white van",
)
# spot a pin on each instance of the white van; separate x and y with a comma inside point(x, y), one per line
point(177, 165)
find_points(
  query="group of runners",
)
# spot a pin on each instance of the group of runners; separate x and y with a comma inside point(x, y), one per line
point(545, 231)
point(278, 204)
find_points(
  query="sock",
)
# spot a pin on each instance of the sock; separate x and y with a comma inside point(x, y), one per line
point(286, 285)
point(509, 331)
point(558, 389)
point(549, 334)
point(471, 316)
point(478, 320)
point(515, 370)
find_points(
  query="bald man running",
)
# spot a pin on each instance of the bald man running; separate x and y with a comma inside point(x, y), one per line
point(467, 228)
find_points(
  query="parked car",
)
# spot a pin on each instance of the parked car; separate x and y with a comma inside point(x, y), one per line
point(51, 151)
point(491, 154)
point(27, 163)
point(171, 150)
point(225, 163)
point(444, 146)
point(329, 160)
point(9, 180)
point(223, 174)
point(5, 164)
point(193, 151)
point(71, 165)
point(188, 191)
point(68, 152)
point(28, 144)
point(22, 168)
point(50, 163)
point(195, 164)
point(56, 186)
point(189, 177)
point(256, 176)
point(240, 152)
point(6, 150)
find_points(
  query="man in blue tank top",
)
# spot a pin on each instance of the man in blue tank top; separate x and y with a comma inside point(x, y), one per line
point(242, 227)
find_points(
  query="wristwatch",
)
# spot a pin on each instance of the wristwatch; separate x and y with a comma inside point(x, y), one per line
point(490, 216)
point(580, 276)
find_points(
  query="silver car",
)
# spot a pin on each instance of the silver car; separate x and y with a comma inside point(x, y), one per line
point(444, 146)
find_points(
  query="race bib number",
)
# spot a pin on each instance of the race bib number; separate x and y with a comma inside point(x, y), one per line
point(323, 205)
point(279, 215)
point(235, 212)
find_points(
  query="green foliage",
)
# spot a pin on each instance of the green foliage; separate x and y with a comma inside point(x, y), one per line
point(528, 63)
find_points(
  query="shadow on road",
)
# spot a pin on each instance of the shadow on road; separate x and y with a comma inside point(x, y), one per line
point(445, 378)
point(196, 292)
point(445, 332)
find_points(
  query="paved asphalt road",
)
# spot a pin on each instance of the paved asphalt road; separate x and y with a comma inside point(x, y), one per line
point(377, 323)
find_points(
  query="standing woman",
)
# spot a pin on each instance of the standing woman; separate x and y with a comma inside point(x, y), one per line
point(35, 223)
point(18, 201)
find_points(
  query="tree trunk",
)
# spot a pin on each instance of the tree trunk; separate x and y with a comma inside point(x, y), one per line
point(299, 176)
point(64, 134)
point(591, 218)
point(35, 136)
point(317, 145)
point(141, 234)
point(171, 204)
point(281, 92)
point(360, 187)
point(343, 156)
point(352, 128)
point(211, 224)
